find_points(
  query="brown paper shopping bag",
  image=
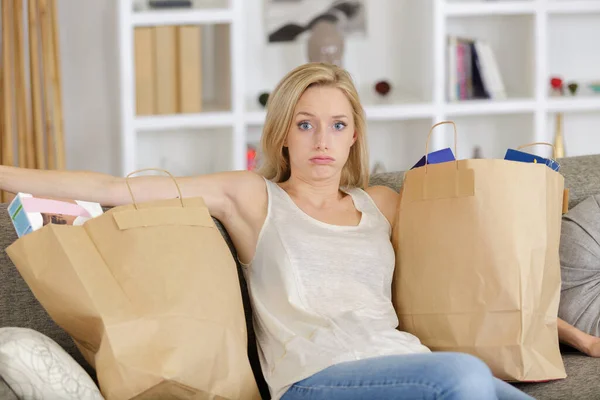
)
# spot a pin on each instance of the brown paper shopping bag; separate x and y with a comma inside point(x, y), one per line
point(151, 296)
point(477, 263)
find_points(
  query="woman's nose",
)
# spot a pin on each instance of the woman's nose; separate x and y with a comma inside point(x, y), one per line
point(321, 139)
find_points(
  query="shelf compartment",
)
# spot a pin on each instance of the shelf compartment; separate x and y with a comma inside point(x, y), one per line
point(466, 8)
point(514, 56)
point(182, 76)
point(574, 55)
point(186, 152)
point(395, 48)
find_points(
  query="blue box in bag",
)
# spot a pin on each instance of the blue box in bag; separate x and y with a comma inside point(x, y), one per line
point(436, 157)
point(521, 156)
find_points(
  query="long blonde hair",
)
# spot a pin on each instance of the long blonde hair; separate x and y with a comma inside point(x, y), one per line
point(282, 102)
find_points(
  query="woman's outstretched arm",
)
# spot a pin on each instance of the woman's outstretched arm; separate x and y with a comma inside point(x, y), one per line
point(216, 189)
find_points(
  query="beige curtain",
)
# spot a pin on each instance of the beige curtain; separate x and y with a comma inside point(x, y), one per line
point(31, 119)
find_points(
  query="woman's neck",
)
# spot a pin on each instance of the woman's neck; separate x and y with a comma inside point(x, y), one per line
point(319, 194)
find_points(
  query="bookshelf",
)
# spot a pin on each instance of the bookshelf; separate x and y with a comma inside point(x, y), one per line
point(406, 44)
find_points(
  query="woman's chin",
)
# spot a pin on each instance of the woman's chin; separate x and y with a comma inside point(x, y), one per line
point(323, 172)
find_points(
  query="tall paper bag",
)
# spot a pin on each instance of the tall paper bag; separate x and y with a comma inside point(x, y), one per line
point(150, 294)
point(477, 263)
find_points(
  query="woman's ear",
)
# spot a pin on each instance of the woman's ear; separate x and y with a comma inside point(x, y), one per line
point(354, 138)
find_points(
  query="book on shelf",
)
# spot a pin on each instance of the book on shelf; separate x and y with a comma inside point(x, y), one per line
point(473, 71)
point(168, 70)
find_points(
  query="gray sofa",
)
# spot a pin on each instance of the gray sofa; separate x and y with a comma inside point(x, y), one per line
point(19, 308)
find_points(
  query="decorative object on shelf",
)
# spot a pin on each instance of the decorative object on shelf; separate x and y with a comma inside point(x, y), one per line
point(573, 86)
point(263, 98)
point(251, 158)
point(595, 87)
point(286, 21)
point(383, 88)
point(326, 43)
point(559, 142)
point(556, 84)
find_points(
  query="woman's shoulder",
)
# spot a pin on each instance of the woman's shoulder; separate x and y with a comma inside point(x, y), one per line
point(385, 199)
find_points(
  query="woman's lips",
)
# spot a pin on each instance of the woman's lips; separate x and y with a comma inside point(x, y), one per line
point(322, 160)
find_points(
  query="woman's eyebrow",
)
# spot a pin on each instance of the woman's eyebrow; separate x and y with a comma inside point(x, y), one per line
point(312, 115)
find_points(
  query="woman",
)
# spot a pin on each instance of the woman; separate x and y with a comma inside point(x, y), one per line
point(315, 245)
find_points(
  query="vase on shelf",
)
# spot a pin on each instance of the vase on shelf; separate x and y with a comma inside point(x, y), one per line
point(559, 141)
point(326, 43)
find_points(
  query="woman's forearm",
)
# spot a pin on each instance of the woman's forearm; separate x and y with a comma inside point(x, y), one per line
point(78, 185)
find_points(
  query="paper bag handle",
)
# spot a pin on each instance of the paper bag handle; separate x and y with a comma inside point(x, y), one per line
point(429, 138)
point(151, 169)
point(541, 143)
point(534, 144)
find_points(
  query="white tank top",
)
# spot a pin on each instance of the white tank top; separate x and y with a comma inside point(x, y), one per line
point(321, 293)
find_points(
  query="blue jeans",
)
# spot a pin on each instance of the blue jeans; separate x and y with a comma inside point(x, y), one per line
point(448, 376)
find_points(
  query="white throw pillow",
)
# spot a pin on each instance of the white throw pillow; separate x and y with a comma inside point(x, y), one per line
point(36, 367)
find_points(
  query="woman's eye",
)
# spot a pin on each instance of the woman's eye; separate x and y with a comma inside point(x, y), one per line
point(339, 126)
point(304, 126)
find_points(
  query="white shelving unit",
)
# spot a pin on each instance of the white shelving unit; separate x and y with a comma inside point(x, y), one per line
point(406, 44)
point(229, 121)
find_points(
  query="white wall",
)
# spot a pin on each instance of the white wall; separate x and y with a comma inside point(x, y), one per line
point(88, 49)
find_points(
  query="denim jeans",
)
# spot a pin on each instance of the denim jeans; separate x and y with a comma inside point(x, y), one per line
point(448, 376)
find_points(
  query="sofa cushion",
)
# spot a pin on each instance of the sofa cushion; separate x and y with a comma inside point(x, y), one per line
point(582, 177)
point(393, 180)
point(35, 367)
point(580, 266)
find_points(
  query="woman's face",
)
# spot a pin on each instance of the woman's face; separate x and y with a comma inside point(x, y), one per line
point(321, 134)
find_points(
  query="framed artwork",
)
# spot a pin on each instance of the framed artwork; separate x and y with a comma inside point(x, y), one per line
point(289, 20)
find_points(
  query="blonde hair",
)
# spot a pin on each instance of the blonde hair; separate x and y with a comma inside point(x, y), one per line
point(282, 102)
